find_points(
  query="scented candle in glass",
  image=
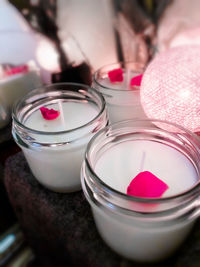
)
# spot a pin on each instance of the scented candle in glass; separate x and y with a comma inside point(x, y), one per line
point(145, 229)
point(54, 147)
point(122, 94)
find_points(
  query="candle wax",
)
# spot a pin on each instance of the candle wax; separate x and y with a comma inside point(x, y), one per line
point(123, 85)
point(75, 114)
point(121, 163)
point(16, 86)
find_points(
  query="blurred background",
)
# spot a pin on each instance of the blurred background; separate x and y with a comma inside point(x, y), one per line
point(67, 40)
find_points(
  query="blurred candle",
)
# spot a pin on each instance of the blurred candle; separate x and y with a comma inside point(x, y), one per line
point(16, 85)
point(122, 98)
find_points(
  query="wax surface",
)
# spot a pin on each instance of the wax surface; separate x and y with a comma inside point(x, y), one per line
point(122, 162)
point(74, 115)
point(16, 86)
point(122, 85)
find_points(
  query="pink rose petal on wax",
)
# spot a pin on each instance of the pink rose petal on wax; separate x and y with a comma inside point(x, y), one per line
point(136, 81)
point(116, 75)
point(17, 70)
point(49, 114)
point(145, 184)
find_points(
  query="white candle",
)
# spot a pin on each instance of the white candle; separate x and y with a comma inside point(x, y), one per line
point(58, 168)
point(138, 228)
point(122, 99)
point(16, 86)
point(55, 153)
point(117, 167)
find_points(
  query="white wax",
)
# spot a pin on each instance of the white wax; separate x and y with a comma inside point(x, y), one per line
point(58, 167)
point(16, 86)
point(124, 85)
point(123, 101)
point(168, 164)
point(117, 166)
point(75, 114)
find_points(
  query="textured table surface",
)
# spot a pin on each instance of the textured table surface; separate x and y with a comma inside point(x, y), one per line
point(61, 230)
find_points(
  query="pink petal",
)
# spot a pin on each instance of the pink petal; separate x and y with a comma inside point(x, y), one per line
point(116, 75)
point(49, 114)
point(136, 81)
point(145, 184)
point(17, 70)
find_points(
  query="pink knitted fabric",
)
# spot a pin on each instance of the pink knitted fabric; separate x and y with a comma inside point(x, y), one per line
point(170, 88)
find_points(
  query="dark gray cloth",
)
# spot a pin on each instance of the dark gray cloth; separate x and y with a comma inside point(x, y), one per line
point(5, 134)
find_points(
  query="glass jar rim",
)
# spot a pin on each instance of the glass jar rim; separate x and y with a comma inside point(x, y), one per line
point(106, 188)
point(20, 124)
point(141, 65)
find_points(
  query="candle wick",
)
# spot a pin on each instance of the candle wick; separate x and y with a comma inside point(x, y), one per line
point(61, 113)
point(127, 83)
point(142, 161)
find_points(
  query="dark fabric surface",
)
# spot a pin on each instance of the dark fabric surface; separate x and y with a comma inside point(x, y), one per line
point(60, 228)
point(5, 134)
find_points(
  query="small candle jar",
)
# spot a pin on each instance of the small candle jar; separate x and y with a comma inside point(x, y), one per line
point(122, 99)
point(54, 149)
point(140, 228)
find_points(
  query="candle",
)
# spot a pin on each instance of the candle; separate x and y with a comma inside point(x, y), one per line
point(139, 228)
point(17, 85)
point(122, 97)
point(55, 148)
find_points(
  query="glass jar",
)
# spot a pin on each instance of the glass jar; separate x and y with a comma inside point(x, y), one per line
point(55, 149)
point(143, 229)
point(123, 100)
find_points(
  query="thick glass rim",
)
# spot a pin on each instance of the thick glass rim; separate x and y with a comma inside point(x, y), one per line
point(124, 196)
point(15, 119)
point(112, 64)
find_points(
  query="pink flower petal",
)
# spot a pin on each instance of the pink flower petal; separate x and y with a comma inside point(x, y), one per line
point(17, 70)
point(116, 75)
point(49, 114)
point(136, 81)
point(145, 184)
